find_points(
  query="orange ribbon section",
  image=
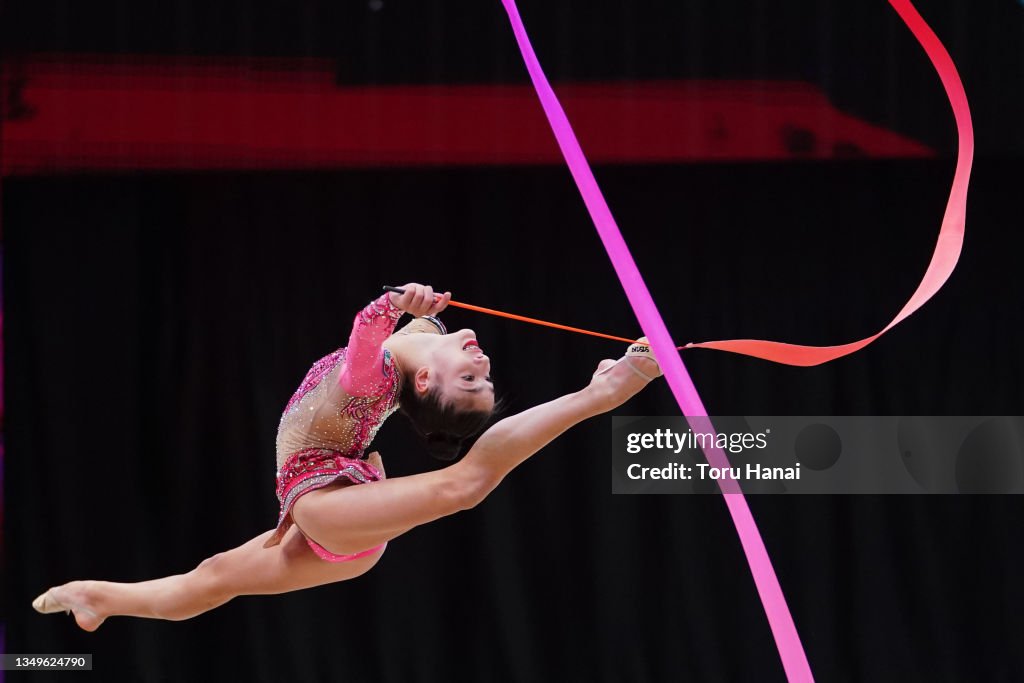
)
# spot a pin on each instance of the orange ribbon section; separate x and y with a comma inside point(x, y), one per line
point(951, 234)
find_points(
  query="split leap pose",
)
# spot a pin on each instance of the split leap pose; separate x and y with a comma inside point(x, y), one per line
point(338, 511)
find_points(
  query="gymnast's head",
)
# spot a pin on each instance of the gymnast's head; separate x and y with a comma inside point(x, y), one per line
point(446, 391)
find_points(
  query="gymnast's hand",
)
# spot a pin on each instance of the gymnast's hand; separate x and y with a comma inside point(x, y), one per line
point(419, 300)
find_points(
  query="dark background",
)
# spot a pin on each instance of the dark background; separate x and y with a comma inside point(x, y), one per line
point(157, 323)
point(860, 53)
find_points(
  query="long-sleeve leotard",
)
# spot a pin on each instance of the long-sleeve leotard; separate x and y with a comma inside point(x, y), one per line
point(346, 395)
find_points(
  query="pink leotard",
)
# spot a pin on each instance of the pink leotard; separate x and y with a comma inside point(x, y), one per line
point(334, 415)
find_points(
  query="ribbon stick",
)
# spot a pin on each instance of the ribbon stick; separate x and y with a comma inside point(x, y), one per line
point(951, 234)
point(545, 323)
point(787, 640)
point(522, 318)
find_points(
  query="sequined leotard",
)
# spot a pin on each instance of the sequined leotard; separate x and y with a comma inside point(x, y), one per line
point(334, 415)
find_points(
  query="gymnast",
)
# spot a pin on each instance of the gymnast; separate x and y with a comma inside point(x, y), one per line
point(337, 509)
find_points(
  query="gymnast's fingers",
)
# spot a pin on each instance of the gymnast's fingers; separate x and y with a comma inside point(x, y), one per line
point(407, 299)
point(417, 299)
point(440, 303)
point(428, 300)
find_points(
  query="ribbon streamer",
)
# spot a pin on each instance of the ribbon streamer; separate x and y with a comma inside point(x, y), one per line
point(794, 661)
point(951, 234)
point(944, 259)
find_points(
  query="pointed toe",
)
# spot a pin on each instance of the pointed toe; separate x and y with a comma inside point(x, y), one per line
point(48, 604)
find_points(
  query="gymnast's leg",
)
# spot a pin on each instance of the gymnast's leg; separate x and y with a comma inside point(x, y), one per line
point(249, 569)
point(349, 519)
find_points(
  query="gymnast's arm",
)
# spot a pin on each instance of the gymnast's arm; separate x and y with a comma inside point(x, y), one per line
point(514, 439)
point(364, 359)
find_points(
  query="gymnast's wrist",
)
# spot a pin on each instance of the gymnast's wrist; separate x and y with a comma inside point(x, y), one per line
point(389, 306)
point(381, 307)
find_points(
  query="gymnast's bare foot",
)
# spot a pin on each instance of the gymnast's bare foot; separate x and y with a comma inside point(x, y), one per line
point(617, 380)
point(78, 597)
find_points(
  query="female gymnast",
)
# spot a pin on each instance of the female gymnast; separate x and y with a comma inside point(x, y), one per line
point(338, 511)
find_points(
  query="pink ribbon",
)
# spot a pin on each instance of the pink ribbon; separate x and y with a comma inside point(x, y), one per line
point(794, 661)
point(787, 640)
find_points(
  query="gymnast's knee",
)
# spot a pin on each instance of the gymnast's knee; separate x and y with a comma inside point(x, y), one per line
point(468, 486)
point(211, 563)
point(208, 580)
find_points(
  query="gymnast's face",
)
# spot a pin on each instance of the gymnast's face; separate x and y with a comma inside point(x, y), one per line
point(462, 370)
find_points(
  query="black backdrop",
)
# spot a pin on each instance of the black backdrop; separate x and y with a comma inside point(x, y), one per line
point(859, 53)
point(158, 323)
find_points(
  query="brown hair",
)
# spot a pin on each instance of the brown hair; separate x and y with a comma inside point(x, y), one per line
point(441, 424)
